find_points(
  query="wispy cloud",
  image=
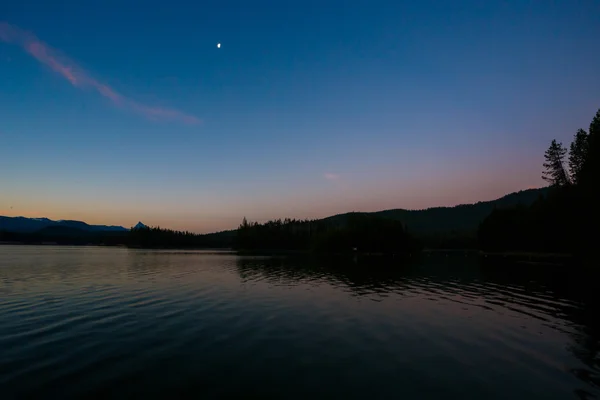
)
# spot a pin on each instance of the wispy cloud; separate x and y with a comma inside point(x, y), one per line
point(78, 77)
point(331, 176)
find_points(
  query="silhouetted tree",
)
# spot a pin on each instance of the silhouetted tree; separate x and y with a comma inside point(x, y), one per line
point(566, 220)
point(578, 154)
point(591, 167)
point(555, 172)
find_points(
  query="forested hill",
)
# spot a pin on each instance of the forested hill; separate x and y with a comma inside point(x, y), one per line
point(462, 219)
point(440, 227)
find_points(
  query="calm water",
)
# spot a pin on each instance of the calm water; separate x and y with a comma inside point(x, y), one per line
point(77, 322)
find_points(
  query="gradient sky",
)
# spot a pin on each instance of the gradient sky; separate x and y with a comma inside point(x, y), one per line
point(118, 111)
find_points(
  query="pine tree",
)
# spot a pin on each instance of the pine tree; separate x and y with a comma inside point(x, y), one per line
point(578, 154)
point(555, 171)
point(595, 124)
point(588, 176)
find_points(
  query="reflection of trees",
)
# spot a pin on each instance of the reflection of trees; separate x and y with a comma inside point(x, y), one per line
point(586, 340)
point(565, 294)
point(579, 305)
point(345, 272)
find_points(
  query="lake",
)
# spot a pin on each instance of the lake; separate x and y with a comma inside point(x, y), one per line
point(115, 322)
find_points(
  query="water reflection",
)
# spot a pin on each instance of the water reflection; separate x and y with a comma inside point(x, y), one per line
point(89, 321)
point(561, 298)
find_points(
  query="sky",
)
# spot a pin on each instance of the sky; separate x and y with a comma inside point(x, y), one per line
point(114, 112)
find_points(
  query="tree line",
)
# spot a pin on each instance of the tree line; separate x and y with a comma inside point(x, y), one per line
point(357, 232)
point(144, 237)
point(66, 236)
point(156, 237)
point(567, 219)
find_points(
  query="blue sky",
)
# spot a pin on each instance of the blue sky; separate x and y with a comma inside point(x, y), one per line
point(119, 111)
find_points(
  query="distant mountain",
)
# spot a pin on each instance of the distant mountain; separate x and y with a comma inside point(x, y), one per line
point(139, 225)
point(29, 225)
point(463, 219)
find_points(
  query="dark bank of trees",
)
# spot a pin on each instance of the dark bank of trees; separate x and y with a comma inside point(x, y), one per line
point(357, 232)
point(67, 236)
point(136, 237)
point(155, 237)
point(567, 219)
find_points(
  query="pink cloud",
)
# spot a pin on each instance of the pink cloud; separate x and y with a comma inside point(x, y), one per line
point(108, 92)
point(40, 52)
point(82, 79)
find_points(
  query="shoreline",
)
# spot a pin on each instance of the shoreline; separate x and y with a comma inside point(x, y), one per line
point(523, 256)
point(526, 254)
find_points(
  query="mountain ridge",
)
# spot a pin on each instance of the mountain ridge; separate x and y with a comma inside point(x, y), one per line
point(29, 225)
point(462, 218)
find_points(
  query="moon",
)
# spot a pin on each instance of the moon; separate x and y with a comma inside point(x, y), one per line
point(218, 45)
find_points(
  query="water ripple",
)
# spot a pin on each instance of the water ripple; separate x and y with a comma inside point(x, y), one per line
point(117, 322)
